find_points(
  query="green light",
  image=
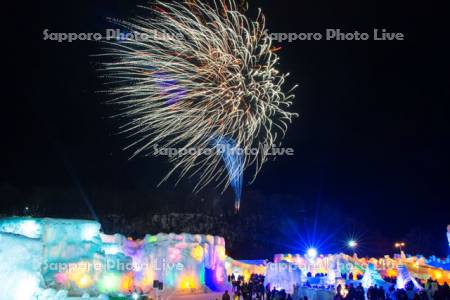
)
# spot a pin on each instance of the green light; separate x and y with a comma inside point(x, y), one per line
point(109, 282)
point(152, 239)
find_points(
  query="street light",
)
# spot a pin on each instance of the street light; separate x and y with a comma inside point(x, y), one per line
point(352, 244)
point(312, 253)
point(400, 245)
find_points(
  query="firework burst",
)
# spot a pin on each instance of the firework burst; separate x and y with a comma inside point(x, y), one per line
point(212, 75)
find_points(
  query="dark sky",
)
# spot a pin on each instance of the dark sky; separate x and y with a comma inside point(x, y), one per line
point(372, 139)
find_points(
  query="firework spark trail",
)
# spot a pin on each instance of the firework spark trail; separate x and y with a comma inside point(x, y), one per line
point(223, 83)
point(232, 157)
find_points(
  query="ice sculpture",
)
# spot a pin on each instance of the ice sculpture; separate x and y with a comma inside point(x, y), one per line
point(51, 258)
point(372, 277)
point(74, 255)
point(283, 276)
point(404, 277)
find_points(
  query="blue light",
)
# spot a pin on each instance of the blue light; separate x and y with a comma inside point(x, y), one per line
point(170, 88)
point(232, 156)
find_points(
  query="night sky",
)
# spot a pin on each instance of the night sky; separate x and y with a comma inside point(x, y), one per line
point(372, 140)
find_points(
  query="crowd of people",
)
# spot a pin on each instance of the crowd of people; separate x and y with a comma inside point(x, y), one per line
point(431, 291)
point(253, 288)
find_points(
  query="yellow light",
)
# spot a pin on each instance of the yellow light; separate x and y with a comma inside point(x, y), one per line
point(149, 276)
point(344, 291)
point(188, 282)
point(127, 283)
point(197, 253)
point(77, 271)
point(246, 274)
point(392, 273)
point(84, 281)
point(221, 253)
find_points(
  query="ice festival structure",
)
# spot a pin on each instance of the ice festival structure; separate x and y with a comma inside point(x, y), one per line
point(72, 257)
point(53, 259)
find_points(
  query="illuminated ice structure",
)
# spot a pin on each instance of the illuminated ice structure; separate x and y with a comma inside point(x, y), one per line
point(283, 276)
point(39, 257)
point(404, 277)
point(372, 277)
point(20, 263)
point(36, 250)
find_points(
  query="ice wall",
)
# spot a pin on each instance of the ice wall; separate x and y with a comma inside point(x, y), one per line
point(69, 250)
point(179, 261)
point(20, 267)
point(74, 255)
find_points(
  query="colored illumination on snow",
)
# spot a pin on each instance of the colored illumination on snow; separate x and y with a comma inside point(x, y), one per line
point(61, 278)
point(197, 253)
point(84, 281)
point(78, 273)
point(188, 282)
point(126, 283)
point(174, 254)
point(152, 239)
point(392, 273)
point(149, 276)
point(109, 282)
point(246, 274)
point(221, 253)
point(220, 275)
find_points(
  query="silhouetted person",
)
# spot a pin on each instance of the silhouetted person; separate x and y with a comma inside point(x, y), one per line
point(226, 296)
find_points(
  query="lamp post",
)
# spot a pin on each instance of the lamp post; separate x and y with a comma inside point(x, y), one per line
point(400, 245)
